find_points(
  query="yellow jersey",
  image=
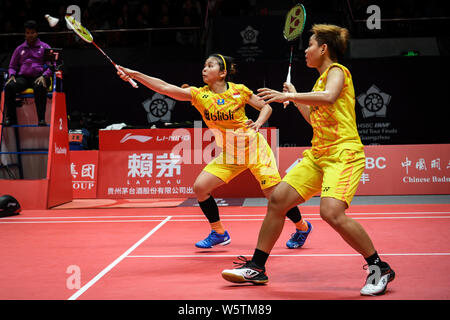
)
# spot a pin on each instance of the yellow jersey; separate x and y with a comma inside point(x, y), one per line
point(224, 113)
point(242, 147)
point(334, 126)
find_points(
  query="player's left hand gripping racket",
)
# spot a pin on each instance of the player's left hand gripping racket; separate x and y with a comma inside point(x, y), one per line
point(84, 34)
point(293, 28)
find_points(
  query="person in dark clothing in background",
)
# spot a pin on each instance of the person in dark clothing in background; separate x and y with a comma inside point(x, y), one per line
point(27, 69)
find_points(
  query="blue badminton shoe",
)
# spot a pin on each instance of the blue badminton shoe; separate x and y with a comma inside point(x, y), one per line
point(214, 239)
point(298, 238)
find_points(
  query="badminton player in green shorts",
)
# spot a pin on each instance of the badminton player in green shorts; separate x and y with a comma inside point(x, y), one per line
point(222, 106)
point(333, 166)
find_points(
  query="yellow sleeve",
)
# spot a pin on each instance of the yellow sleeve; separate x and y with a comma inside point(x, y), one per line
point(195, 94)
point(245, 92)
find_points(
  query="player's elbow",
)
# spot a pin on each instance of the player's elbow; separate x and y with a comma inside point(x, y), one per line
point(328, 99)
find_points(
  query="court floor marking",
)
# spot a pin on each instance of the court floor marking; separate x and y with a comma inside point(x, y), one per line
point(180, 219)
point(311, 219)
point(289, 255)
point(115, 262)
point(222, 215)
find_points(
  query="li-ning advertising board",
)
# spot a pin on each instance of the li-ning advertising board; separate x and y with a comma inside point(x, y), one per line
point(164, 163)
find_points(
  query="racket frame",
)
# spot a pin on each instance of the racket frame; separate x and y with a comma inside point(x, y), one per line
point(292, 39)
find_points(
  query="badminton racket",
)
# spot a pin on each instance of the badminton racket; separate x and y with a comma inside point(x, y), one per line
point(293, 28)
point(84, 34)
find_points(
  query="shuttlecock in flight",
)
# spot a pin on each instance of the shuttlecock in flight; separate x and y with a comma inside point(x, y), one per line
point(51, 20)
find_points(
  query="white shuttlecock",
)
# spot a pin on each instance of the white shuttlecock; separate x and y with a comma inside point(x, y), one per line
point(51, 20)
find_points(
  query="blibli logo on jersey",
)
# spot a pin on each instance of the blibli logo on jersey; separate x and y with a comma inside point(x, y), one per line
point(218, 116)
point(221, 102)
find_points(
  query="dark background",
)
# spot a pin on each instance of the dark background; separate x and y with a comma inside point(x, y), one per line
point(417, 85)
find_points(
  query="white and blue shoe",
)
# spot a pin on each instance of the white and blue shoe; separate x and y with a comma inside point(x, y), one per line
point(298, 238)
point(214, 239)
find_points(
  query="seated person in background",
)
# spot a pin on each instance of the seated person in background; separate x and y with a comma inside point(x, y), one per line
point(27, 69)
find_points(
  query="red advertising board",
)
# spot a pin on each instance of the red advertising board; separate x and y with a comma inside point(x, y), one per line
point(395, 169)
point(159, 163)
point(406, 169)
point(84, 171)
point(142, 163)
point(163, 163)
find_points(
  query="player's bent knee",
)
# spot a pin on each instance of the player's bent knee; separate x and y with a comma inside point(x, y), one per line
point(332, 217)
point(332, 211)
point(277, 202)
point(197, 188)
point(201, 190)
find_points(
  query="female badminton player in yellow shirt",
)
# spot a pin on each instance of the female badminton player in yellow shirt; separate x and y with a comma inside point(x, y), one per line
point(333, 166)
point(222, 106)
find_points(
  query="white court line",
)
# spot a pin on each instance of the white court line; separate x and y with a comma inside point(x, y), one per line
point(289, 255)
point(115, 262)
point(222, 215)
point(78, 221)
point(311, 219)
point(203, 219)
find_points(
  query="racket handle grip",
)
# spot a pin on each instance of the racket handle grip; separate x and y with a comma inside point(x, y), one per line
point(288, 80)
point(131, 81)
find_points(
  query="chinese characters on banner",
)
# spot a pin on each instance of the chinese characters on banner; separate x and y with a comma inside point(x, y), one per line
point(157, 173)
point(158, 163)
point(407, 169)
point(143, 164)
point(84, 168)
point(164, 163)
point(395, 170)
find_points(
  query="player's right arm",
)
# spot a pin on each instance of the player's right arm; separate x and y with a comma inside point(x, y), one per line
point(303, 108)
point(155, 84)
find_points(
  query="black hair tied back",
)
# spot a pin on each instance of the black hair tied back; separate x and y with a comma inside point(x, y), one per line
point(226, 63)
